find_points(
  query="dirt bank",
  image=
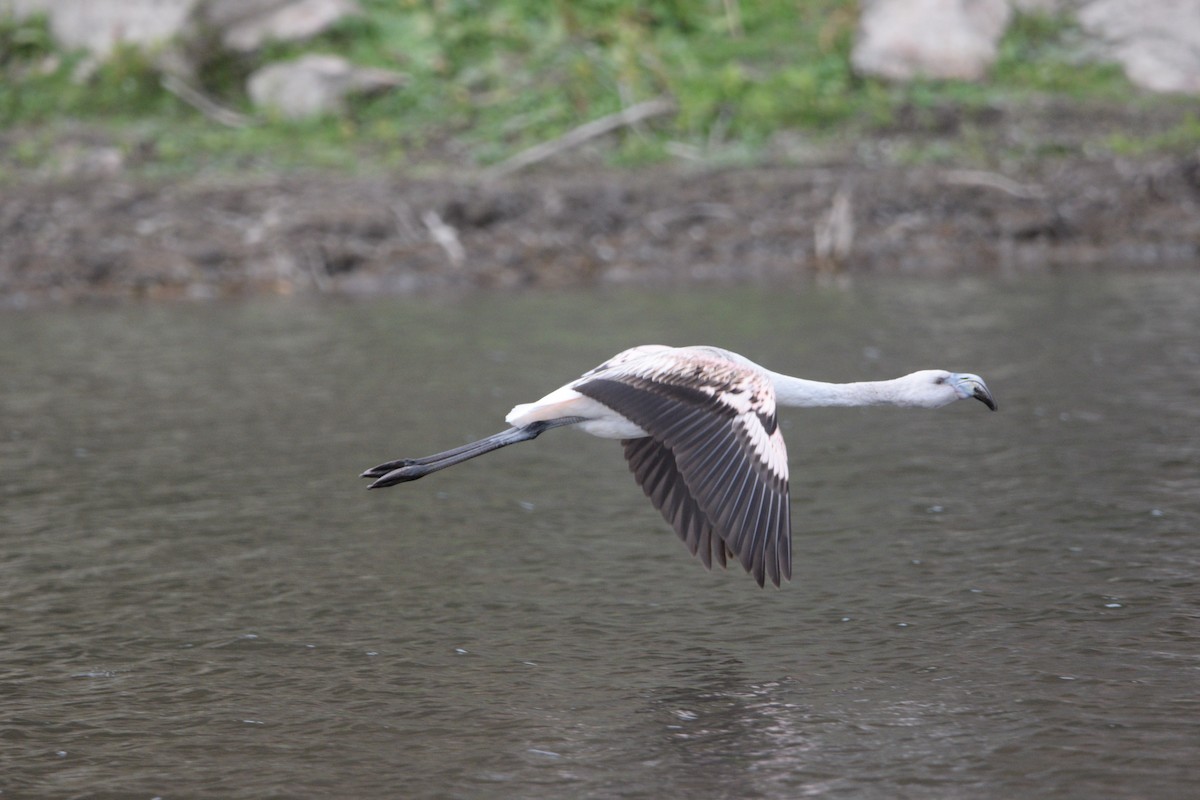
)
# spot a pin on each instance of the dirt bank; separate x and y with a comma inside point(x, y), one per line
point(114, 237)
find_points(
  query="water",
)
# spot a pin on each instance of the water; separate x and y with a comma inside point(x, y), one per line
point(200, 600)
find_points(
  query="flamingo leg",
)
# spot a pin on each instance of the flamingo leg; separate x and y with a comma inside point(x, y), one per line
point(409, 469)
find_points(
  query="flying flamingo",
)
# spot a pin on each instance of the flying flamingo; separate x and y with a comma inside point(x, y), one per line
point(700, 434)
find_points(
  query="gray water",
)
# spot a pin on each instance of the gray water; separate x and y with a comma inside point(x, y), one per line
point(199, 599)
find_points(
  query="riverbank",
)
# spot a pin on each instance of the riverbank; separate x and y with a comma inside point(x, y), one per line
point(756, 153)
point(114, 237)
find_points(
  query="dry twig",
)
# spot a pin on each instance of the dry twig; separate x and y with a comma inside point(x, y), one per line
point(992, 180)
point(586, 132)
point(445, 236)
point(834, 232)
point(203, 103)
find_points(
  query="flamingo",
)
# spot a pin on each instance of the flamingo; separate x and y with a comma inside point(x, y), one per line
point(699, 429)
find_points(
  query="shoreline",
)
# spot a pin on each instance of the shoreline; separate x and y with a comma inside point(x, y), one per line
point(125, 238)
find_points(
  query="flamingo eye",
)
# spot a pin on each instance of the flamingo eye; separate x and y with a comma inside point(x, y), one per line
point(939, 380)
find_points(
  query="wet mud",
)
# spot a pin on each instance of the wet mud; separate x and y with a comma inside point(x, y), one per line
point(110, 237)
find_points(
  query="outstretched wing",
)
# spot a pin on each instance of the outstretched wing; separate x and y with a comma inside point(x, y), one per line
point(717, 465)
point(653, 465)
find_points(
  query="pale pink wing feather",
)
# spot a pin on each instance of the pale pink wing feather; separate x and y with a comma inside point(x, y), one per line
point(714, 463)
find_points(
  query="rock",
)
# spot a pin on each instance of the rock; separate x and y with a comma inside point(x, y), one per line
point(904, 39)
point(1156, 41)
point(1044, 6)
point(315, 84)
point(244, 26)
point(238, 25)
point(100, 25)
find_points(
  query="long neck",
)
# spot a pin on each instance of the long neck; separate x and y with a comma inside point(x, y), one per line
point(799, 392)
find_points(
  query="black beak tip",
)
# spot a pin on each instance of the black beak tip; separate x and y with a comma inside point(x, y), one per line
point(986, 399)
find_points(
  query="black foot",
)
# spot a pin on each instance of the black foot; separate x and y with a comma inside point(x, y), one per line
point(384, 469)
point(403, 473)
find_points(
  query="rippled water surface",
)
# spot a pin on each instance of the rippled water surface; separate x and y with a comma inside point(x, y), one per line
point(198, 598)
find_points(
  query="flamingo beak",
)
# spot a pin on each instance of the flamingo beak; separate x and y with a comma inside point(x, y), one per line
point(968, 385)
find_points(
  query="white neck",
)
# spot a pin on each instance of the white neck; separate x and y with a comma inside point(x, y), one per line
point(799, 392)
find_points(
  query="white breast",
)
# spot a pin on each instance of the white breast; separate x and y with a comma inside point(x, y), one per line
point(602, 421)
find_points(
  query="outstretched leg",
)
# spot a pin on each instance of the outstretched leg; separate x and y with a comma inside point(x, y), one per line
point(409, 469)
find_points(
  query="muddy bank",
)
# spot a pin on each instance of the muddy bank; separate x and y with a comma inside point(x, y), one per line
point(115, 238)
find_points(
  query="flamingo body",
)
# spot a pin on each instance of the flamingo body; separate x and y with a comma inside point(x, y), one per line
point(699, 429)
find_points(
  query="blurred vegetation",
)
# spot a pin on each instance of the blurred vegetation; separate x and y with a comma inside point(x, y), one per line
point(488, 78)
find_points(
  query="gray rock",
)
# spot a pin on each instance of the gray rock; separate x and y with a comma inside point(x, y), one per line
point(100, 25)
point(904, 39)
point(314, 84)
point(244, 26)
point(1044, 6)
point(238, 25)
point(1156, 41)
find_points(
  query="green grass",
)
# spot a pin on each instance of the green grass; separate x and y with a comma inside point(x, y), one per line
point(1181, 137)
point(488, 78)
